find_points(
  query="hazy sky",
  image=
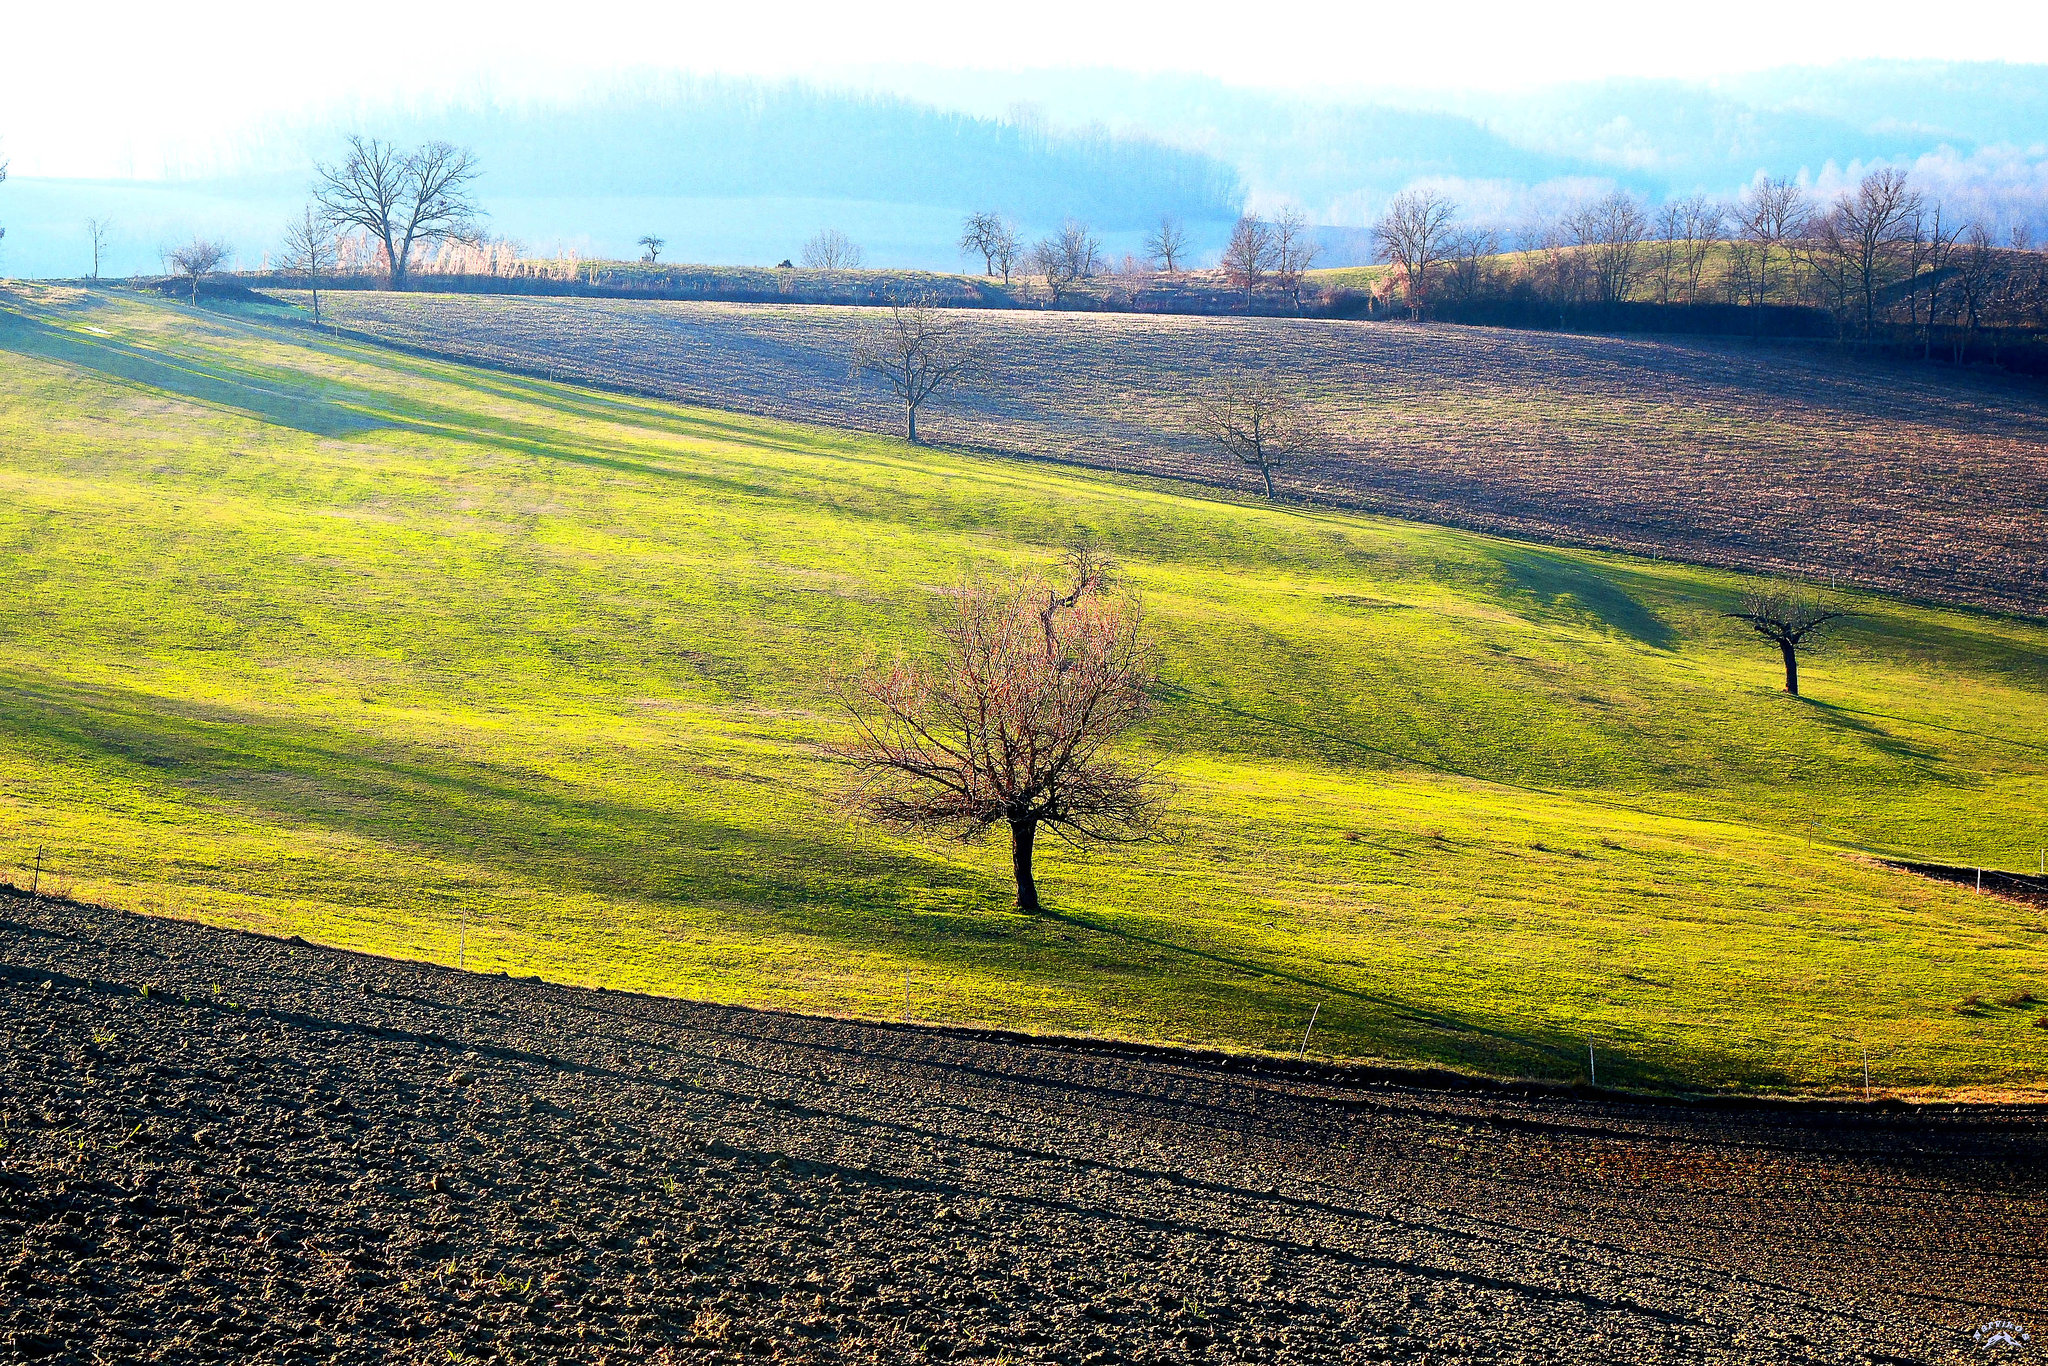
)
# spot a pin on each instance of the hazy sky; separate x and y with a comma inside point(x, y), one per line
point(99, 88)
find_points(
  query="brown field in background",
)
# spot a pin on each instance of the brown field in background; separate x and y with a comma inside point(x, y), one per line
point(1927, 482)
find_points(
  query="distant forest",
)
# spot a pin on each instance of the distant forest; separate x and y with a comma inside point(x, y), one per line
point(709, 138)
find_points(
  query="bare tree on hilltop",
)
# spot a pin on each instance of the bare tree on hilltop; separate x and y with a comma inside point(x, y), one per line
point(1294, 250)
point(1858, 241)
point(1247, 256)
point(1769, 219)
point(830, 249)
point(982, 235)
point(1167, 244)
point(403, 200)
point(198, 259)
point(1066, 258)
point(1258, 421)
point(1786, 614)
point(1415, 234)
point(918, 350)
point(1611, 230)
point(650, 248)
point(1011, 723)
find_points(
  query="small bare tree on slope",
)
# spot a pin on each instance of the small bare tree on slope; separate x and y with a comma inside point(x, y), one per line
point(1257, 420)
point(1787, 615)
point(1011, 723)
point(918, 350)
point(198, 259)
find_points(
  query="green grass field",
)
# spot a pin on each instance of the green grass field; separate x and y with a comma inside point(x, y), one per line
point(314, 638)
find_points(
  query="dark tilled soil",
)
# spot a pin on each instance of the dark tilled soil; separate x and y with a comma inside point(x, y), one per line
point(221, 1147)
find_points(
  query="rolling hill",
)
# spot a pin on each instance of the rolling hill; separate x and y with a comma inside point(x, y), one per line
point(398, 654)
point(1776, 458)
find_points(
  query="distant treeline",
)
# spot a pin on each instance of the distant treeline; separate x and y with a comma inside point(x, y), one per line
point(1881, 265)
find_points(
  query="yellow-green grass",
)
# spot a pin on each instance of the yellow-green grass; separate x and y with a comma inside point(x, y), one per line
point(314, 638)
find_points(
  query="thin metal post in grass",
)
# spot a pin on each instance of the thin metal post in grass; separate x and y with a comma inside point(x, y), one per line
point(1980, 882)
point(35, 882)
point(906, 995)
point(1866, 1071)
point(462, 945)
point(1303, 1056)
point(1592, 1067)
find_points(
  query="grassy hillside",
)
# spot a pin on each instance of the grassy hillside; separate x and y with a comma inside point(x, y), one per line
point(1901, 478)
point(399, 655)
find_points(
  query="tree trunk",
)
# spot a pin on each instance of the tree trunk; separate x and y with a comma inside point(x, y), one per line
point(1267, 472)
point(1791, 653)
point(913, 424)
point(1022, 832)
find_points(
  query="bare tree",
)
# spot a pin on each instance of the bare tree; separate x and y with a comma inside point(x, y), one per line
point(310, 249)
point(830, 249)
point(1414, 234)
point(918, 350)
point(1611, 231)
point(650, 248)
point(1769, 218)
point(1011, 724)
point(1786, 614)
point(1167, 244)
point(401, 199)
point(1936, 251)
point(1860, 240)
point(1006, 247)
point(1294, 250)
point(1468, 252)
point(1066, 258)
point(980, 235)
point(1976, 272)
point(1257, 420)
point(1248, 255)
point(1701, 225)
point(198, 259)
point(97, 230)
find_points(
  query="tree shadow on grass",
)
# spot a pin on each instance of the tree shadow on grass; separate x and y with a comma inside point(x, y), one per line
point(818, 885)
point(124, 364)
point(1564, 582)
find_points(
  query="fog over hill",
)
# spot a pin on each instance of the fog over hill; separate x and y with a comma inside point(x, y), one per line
point(741, 171)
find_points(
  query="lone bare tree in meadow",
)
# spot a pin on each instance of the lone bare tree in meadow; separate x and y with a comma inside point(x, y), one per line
point(918, 350)
point(1415, 234)
point(198, 259)
point(1011, 723)
point(401, 199)
point(830, 249)
point(1787, 614)
point(310, 250)
point(650, 248)
point(1259, 421)
point(1247, 256)
point(1167, 244)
